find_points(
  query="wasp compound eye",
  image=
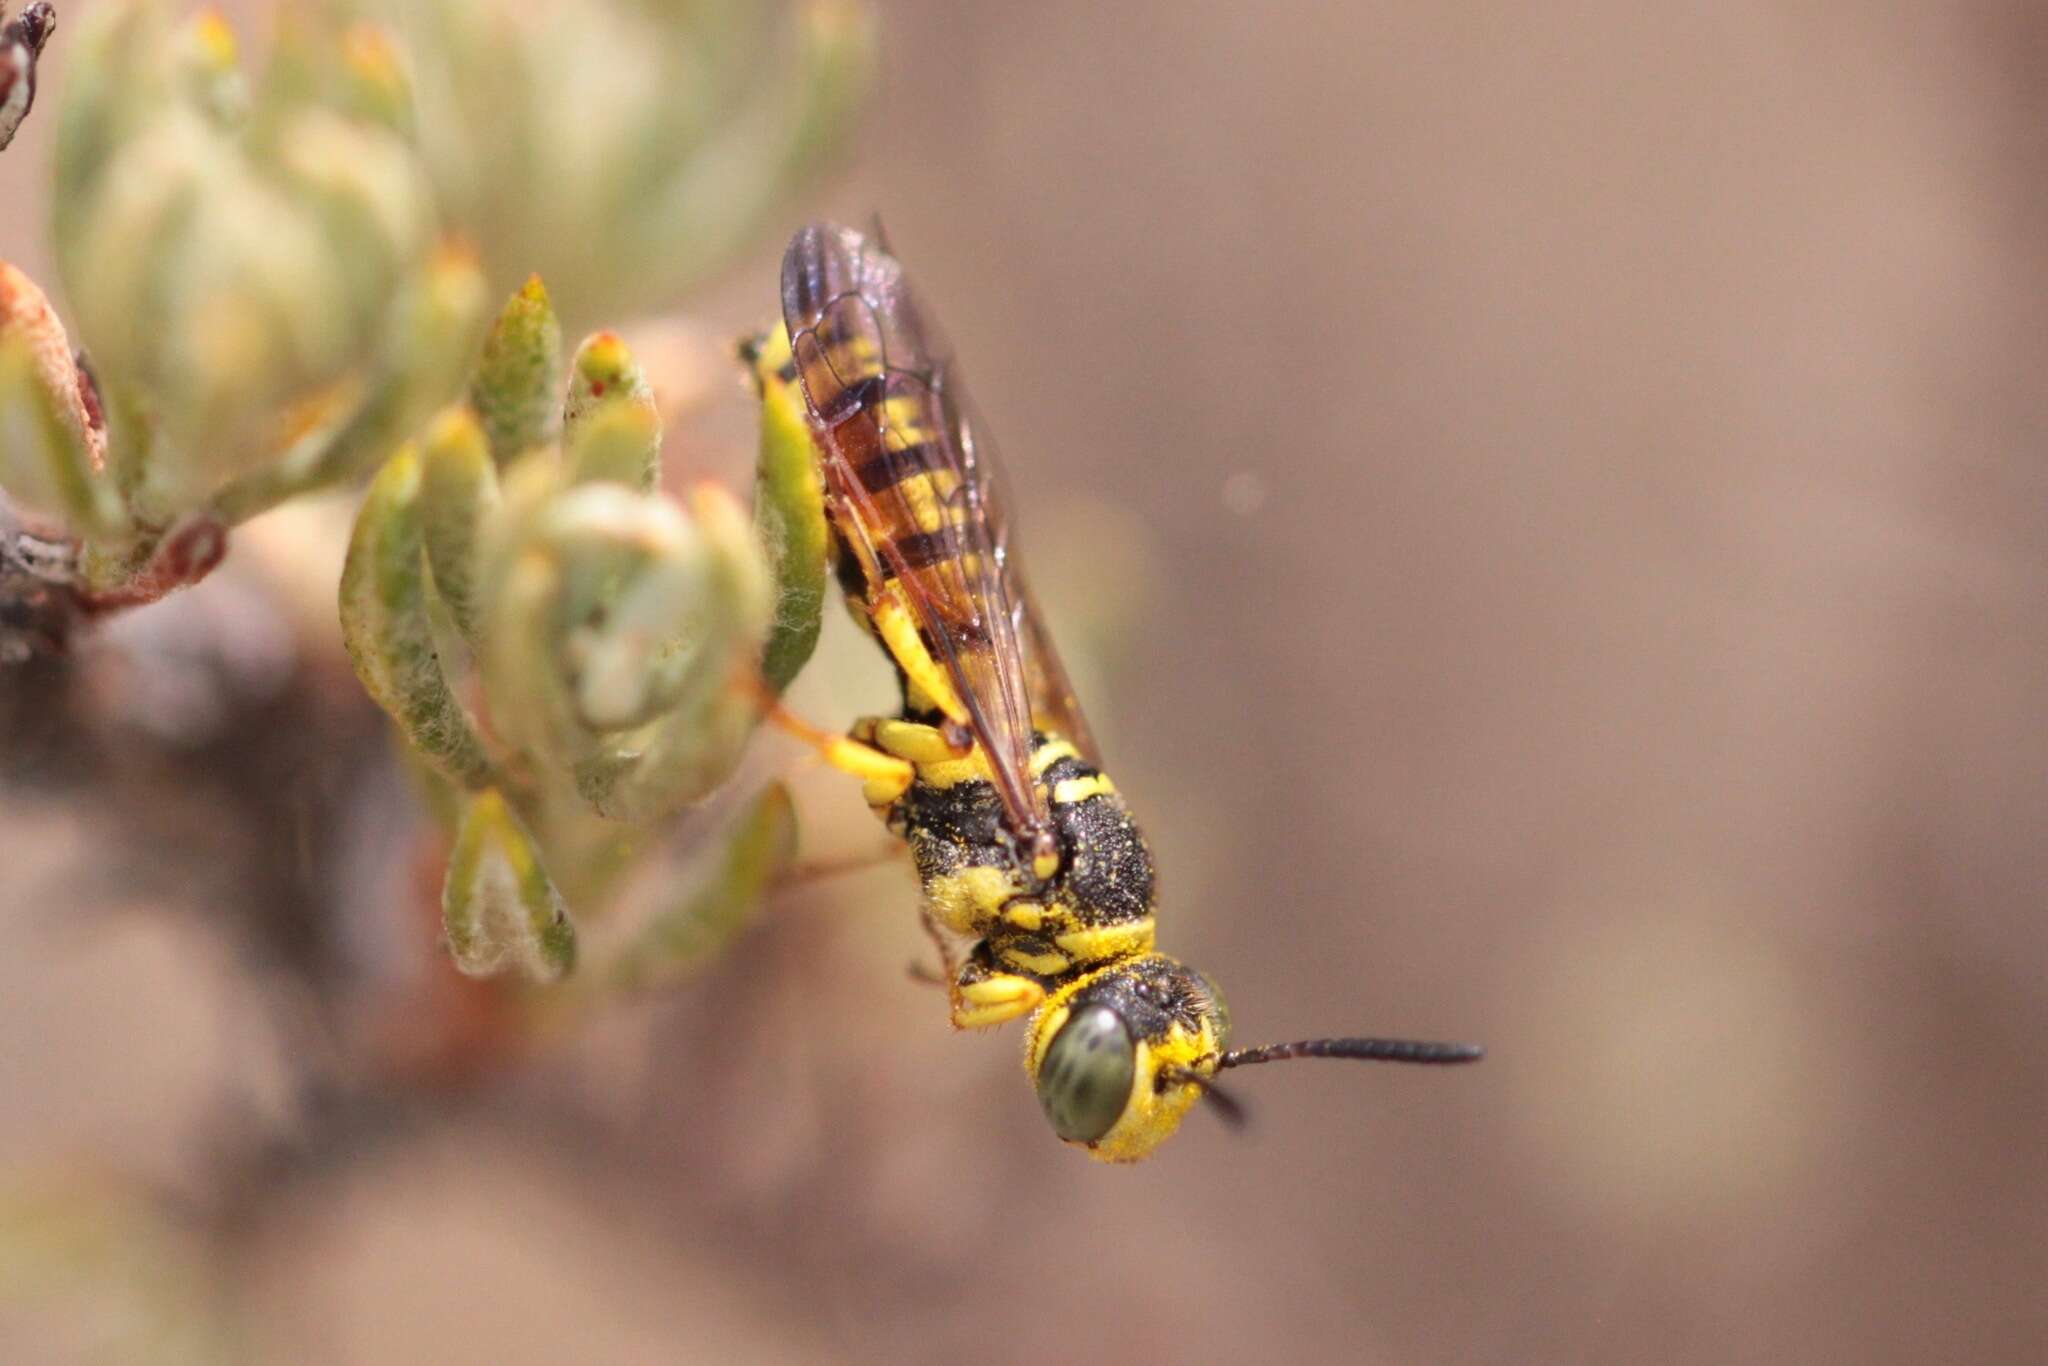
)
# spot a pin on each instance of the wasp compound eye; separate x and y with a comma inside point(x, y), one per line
point(1086, 1077)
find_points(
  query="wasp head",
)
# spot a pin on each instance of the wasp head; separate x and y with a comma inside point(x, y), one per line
point(1120, 1055)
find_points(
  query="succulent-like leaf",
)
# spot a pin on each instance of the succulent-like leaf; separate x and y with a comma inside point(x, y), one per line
point(52, 436)
point(431, 340)
point(707, 118)
point(518, 385)
point(797, 119)
point(619, 443)
point(363, 187)
point(688, 753)
point(499, 909)
point(740, 573)
point(759, 848)
point(634, 607)
point(389, 635)
point(789, 515)
point(459, 489)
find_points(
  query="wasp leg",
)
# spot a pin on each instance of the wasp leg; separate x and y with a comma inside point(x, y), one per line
point(840, 865)
point(885, 776)
point(983, 994)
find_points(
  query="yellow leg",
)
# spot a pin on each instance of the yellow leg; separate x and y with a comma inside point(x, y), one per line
point(995, 999)
point(885, 776)
point(983, 994)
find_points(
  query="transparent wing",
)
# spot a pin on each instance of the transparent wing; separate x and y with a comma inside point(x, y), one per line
point(912, 480)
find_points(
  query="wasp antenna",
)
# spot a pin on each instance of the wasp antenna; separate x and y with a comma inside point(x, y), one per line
point(1229, 1108)
point(1365, 1050)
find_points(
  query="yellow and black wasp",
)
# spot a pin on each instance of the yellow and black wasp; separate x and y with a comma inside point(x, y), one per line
point(1038, 886)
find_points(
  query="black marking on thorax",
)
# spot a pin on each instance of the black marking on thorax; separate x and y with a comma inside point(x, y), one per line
point(1106, 873)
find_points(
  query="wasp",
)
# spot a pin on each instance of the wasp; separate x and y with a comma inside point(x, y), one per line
point(1038, 886)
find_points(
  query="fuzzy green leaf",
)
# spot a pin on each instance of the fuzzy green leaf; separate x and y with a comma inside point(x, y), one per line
point(459, 488)
point(385, 625)
point(797, 120)
point(499, 908)
point(589, 589)
point(789, 516)
point(44, 458)
point(759, 849)
point(431, 340)
point(689, 752)
point(619, 443)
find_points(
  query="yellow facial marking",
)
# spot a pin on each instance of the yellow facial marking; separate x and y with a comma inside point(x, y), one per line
point(1151, 1115)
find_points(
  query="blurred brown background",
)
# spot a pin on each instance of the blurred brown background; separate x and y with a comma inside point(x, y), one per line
point(1554, 502)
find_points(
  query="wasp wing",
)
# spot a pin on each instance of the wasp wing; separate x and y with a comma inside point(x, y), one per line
point(1054, 707)
point(912, 487)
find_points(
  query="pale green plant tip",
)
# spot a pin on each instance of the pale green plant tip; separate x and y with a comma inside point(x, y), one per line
point(207, 62)
point(604, 372)
point(634, 603)
point(499, 908)
point(376, 86)
point(518, 384)
point(250, 251)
